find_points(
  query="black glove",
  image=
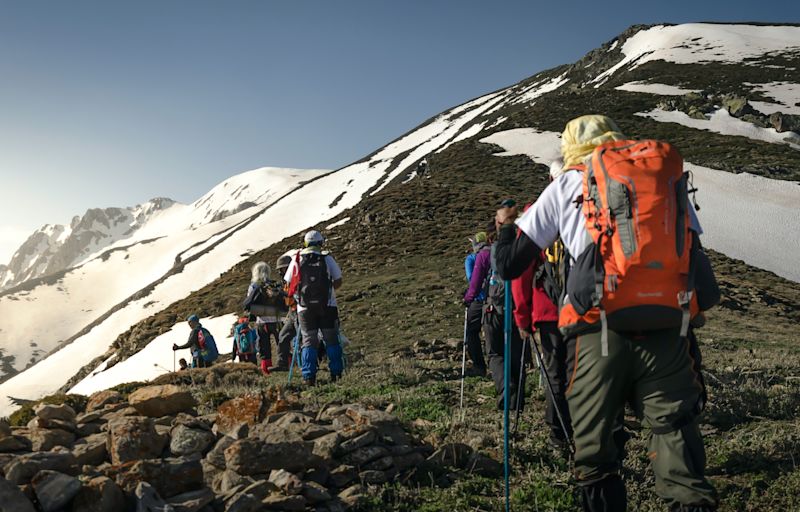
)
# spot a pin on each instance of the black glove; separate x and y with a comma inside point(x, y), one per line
point(174, 346)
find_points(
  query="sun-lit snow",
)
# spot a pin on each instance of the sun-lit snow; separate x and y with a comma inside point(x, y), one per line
point(337, 223)
point(548, 86)
point(722, 122)
point(765, 210)
point(702, 42)
point(654, 88)
point(786, 96)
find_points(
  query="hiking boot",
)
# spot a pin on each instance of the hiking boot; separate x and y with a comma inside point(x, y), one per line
point(310, 382)
point(278, 369)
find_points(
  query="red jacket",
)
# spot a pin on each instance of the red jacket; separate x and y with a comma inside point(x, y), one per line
point(531, 303)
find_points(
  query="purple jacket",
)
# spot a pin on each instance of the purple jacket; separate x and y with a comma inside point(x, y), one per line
point(483, 265)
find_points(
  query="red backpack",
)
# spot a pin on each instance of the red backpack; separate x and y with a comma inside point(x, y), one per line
point(638, 272)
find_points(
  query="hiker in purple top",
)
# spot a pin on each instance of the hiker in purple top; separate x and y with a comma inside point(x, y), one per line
point(474, 299)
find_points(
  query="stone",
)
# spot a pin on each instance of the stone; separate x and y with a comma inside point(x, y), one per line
point(242, 502)
point(5, 429)
point(285, 419)
point(354, 444)
point(69, 426)
point(365, 455)
point(55, 412)
point(186, 441)
point(228, 480)
point(157, 401)
point(373, 477)
point(99, 494)
point(14, 444)
point(353, 495)
point(133, 438)
point(168, 476)
point(281, 502)
point(44, 440)
point(87, 429)
point(101, 399)
point(88, 417)
point(381, 464)
point(191, 501)
point(148, 499)
point(252, 457)
point(12, 499)
point(216, 457)
point(452, 454)
point(403, 462)
point(331, 412)
point(234, 414)
point(342, 476)
point(327, 445)
point(363, 416)
point(20, 470)
point(402, 449)
point(287, 482)
point(484, 466)
point(91, 451)
point(54, 490)
point(342, 423)
point(261, 489)
point(315, 493)
point(318, 475)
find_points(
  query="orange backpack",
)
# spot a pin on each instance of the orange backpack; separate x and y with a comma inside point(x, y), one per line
point(637, 274)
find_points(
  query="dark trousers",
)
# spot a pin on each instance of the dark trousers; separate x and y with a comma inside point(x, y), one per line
point(265, 331)
point(474, 348)
point(554, 357)
point(285, 338)
point(495, 350)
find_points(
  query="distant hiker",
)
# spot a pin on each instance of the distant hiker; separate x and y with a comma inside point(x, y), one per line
point(265, 300)
point(493, 329)
point(622, 213)
point(477, 266)
point(313, 276)
point(422, 168)
point(201, 343)
point(245, 340)
point(536, 293)
point(289, 327)
point(183, 365)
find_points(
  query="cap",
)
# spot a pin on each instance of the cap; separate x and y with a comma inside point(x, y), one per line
point(193, 318)
point(313, 238)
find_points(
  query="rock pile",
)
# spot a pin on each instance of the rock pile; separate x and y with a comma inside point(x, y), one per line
point(257, 452)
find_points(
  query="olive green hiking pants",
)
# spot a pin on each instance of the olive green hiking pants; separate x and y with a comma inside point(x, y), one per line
point(654, 372)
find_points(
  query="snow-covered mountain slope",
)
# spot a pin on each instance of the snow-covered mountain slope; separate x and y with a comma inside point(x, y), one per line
point(116, 289)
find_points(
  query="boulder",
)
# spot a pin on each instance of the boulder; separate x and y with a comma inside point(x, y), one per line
point(364, 455)
point(54, 490)
point(357, 442)
point(88, 417)
point(69, 426)
point(281, 502)
point(233, 415)
point(216, 457)
point(148, 500)
point(91, 451)
point(99, 494)
point(381, 464)
point(342, 476)
point(55, 412)
point(157, 401)
point(100, 399)
point(133, 438)
point(318, 475)
point(20, 470)
point(191, 501)
point(326, 446)
point(373, 477)
point(353, 495)
point(87, 429)
point(228, 480)
point(363, 416)
point(12, 499)
point(277, 451)
point(287, 482)
point(315, 493)
point(169, 477)
point(5, 429)
point(186, 441)
point(14, 444)
point(44, 440)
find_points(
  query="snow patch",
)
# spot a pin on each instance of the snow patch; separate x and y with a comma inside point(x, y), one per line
point(653, 88)
point(337, 223)
point(785, 94)
point(541, 147)
point(549, 86)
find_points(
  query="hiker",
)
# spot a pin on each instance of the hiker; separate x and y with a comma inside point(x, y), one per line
point(245, 340)
point(182, 364)
point(493, 330)
point(289, 327)
point(536, 293)
point(265, 300)
point(642, 356)
point(201, 343)
point(314, 276)
point(477, 266)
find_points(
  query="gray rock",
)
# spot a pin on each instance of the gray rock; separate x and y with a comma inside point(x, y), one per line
point(148, 500)
point(216, 457)
point(23, 468)
point(260, 489)
point(342, 476)
point(12, 499)
point(87, 429)
point(186, 441)
point(281, 502)
point(315, 493)
point(365, 455)
point(102, 399)
point(327, 445)
point(252, 457)
point(353, 495)
point(363, 416)
point(318, 475)
point(99, 494)
point(228, 480)
point(91, 451)
point(88, 417)
point(242, 502)
point(287, 482)
point(14, 444)
point(55, 412)
point(54, 490)
point(44, 440)
point(381, 464)
point(168, 476)
point(133, 438)
point(157, 401)
point(191, 501)
point(373, 477)
point(354, 444)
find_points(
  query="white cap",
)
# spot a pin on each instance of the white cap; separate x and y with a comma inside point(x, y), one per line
point(313, 237)
point(556, 168)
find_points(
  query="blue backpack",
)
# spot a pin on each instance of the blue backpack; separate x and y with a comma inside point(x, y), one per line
point(208, 347)
point(245, 338)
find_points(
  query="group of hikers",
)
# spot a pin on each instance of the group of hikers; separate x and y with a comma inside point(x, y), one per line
point(607, 282)
point(300, 306)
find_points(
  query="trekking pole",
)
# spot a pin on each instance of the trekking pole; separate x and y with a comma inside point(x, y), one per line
point(520, 393)
point(506, 375)
point(295, 349)
point(463, 363)
point(173, 360)
point(549, 387)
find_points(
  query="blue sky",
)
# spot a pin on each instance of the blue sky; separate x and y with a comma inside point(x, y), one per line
point(113, 103)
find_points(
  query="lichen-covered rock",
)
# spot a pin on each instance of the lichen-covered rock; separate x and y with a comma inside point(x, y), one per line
point(277, 451)
point(169, 477)
point(133, 438)
point(20, 470)
point(157, 401)
point(246, 410)
point(186, 441)
point(55, 412)
point(101, 399)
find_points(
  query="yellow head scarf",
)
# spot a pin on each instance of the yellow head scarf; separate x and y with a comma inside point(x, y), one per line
point(583, 134)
